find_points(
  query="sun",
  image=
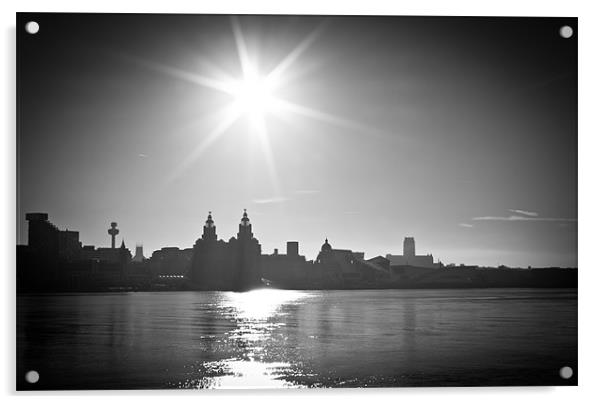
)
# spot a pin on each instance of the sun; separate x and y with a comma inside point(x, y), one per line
point(254, 95)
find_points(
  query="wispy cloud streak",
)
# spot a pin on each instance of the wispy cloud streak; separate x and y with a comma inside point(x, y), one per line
point(515, 218)
point(524, 212)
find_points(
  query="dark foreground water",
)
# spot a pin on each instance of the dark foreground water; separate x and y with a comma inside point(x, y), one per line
point(278, 338)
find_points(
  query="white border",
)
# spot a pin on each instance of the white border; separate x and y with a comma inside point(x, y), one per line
point(590, 183)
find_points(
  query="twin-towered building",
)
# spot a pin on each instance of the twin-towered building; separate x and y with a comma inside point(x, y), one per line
point(220, 265)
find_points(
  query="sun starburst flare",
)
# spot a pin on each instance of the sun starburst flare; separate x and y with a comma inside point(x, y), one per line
point(254, 97)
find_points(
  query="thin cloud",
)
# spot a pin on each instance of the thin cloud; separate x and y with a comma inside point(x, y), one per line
point(142, 155)
point(524, 212)
point(465, 225)
point(514, 218)
point(276, 199)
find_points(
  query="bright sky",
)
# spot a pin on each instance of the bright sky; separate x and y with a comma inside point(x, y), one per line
point(458, 132)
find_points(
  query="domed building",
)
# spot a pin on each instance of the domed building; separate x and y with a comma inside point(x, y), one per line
point(336, 268)
point(326, 248)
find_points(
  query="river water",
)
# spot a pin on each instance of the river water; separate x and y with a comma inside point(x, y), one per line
point(280, 338)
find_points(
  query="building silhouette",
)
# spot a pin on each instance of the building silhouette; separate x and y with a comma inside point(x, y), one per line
point(170, 261)
point(340, 268)
point(235, 265)
point(139, 255)
point(112, 255)
point(45, 239)
point(288, 270)
point(409, 247)
point(211, 266)
point(409, 257)
point(56, 260)
point(246, 252)
point(113, 231)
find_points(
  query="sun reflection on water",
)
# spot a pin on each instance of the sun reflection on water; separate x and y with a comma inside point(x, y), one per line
point(259, 304)
point(251, 362)
point(238, 374)
point(257, 314)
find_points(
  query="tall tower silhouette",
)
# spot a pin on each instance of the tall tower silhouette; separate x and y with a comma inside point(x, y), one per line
point(409, 247)
point(139, 256)
point(247, 253)
point(209, 230)
point(209, 269)
point(245, 228)
point(113, 231)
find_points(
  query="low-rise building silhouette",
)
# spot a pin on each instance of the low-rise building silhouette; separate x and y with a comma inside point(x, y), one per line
point(339, 268)
point(170, 261)
point(288, 270)
point(410, 258)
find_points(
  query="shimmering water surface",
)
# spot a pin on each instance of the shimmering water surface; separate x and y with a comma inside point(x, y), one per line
point(278, 338)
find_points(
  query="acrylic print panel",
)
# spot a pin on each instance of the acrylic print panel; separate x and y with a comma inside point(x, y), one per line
point(217, 201)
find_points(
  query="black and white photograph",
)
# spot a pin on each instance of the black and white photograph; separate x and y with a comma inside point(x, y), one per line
point(255, 201)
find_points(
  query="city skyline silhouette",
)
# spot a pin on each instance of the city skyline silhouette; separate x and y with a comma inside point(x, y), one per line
point(55, 260)
point(470, 149)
